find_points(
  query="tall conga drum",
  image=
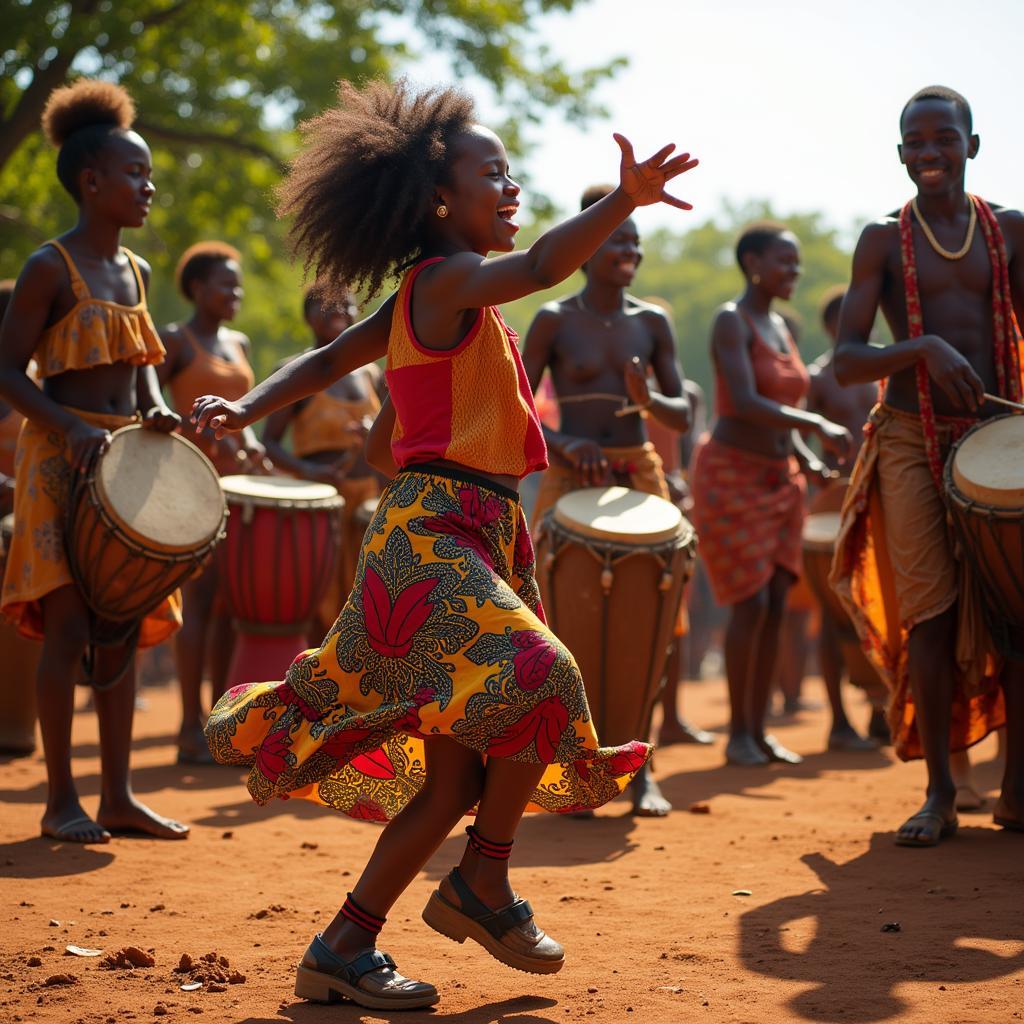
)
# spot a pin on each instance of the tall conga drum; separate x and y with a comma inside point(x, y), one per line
point(984, 481)
point(821, 531)
point(275, 565)
point(611, 565)
point(19, 659)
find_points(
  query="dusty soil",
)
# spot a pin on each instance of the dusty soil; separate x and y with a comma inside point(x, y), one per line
point(649, 910)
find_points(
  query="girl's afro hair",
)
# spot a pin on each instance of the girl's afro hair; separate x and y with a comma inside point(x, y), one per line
point(198, 260)
point(360, 189)
point(84, 104)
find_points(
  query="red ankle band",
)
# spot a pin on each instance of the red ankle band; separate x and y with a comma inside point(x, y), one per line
point(487, 848)
point(362, 918)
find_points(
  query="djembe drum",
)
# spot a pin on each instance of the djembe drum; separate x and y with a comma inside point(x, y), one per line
point(821, 530)
point(612, 564)
point(275, 566)
point(145, 519)
point(19, 659)
point(984, 481)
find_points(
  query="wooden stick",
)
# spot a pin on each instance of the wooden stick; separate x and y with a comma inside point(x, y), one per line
point(1004, 401)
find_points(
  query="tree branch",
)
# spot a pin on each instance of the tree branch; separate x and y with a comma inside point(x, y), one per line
point(159, 17)
point(199, 138)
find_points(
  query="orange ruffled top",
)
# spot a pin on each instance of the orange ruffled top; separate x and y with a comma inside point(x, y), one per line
point(97, 332)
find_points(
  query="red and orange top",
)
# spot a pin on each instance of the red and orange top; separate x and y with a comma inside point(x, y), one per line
point(780, 376)
point(470, 404)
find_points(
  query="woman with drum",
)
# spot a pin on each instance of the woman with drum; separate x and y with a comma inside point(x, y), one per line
point(205, 355)
point(747, 486)
point(328, 434)
point(440, 689)
point(79, 308)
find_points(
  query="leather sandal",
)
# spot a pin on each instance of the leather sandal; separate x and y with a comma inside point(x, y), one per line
point(369, 980)
point(500, 932)
point(940, 828)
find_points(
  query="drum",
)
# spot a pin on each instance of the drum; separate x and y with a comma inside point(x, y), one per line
point(984, 480)
point(821, 529)
point(612, 564)
point(145, 519)
point(361, 519)
point(275, 565)
point(19, 659)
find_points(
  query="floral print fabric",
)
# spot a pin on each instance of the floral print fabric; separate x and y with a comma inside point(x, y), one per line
point(443, 634)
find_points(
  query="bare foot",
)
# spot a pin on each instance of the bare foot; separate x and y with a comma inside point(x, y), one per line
point(742, 749)
point(847, 740)
point(70, 824)
point(878, 728)
point(968, 798)
point(193, 748)
point(934, 822)
point(678, 730)
point(648, 800)
point(775, 751)
point(1009, 813)
point(133, 818)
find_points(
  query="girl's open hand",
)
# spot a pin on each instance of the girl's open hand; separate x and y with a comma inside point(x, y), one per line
point(217, 414)
point(645, 182)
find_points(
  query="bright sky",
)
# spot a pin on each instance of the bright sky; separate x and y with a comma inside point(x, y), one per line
point(796, 101)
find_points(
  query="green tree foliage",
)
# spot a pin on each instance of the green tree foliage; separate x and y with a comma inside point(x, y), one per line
point(695, 271)
point(220, 85)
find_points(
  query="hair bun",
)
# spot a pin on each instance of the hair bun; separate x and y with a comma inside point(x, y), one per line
point(83, 104)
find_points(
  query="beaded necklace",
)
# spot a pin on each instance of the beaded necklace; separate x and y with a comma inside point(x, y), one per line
point(1004, 328)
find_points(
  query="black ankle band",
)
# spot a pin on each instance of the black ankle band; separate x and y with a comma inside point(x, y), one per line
point(360, 917)
point(486, 847)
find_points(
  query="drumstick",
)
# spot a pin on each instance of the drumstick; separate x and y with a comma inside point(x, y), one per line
point(1003, 401)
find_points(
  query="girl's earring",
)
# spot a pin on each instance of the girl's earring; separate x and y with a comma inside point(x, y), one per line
point(442, 211)
point(756, 279)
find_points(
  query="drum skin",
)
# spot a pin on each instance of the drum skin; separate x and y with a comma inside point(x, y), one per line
point(992, 540)
point(123, 573)
point(19, 659)
point(277, 558)
point(614, 606)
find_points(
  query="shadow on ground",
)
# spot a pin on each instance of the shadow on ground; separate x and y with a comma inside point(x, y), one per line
point(950, 903)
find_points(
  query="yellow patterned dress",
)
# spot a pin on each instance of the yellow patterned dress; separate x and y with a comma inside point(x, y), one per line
point(442, 635)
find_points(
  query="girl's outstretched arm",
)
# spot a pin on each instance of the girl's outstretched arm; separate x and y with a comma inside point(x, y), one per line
point(470, 281)
point(363, 343)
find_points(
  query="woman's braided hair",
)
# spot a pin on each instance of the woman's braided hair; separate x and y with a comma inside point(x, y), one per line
point(360, 189)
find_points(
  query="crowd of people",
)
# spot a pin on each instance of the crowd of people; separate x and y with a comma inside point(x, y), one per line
point(436, 658)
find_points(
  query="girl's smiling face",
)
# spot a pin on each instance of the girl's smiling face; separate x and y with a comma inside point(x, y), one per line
point(480, 196)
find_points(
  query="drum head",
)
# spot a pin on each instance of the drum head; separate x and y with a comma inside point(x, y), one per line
point(366, 510)
point(160, 489)
point(278, 492)
point(988, 465)
point(821, 530)
point(619, 514)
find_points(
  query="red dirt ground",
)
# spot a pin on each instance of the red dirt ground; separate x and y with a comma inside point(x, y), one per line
point(646, 908)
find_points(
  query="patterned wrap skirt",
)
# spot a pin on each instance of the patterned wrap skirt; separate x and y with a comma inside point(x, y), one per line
point(443, 634)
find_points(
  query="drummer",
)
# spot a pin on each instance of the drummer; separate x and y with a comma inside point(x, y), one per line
point(599, 346)
point(79, 308)
point(956, 264)
point(328, 432)
point(203, 354)
point(851, 407)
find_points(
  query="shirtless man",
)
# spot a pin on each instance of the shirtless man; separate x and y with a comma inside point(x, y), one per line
point(931, 272)
point(601, 341)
